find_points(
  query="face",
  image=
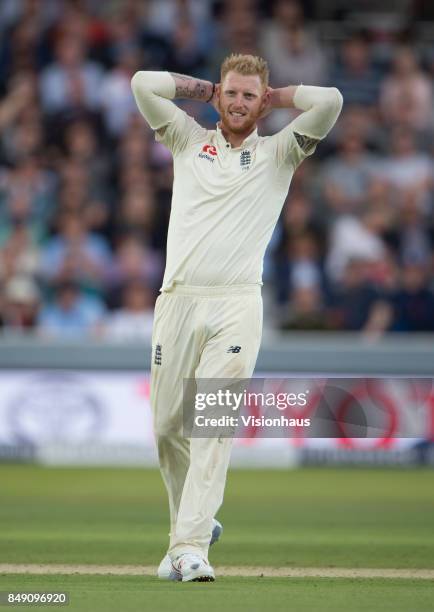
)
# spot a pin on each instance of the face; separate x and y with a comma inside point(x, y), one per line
point(241, 101)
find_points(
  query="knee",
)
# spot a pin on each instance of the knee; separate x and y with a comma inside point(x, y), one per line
point(163, 433)
point(166, 436)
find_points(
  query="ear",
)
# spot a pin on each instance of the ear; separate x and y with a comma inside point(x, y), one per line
point(266, 97)
point(216, 98)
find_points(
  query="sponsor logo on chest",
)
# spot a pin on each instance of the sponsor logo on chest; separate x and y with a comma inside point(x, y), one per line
point(208, 152)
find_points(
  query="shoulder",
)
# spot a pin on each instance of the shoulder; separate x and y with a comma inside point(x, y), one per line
point(180, 132)
point(189, 124)
point(288, 146)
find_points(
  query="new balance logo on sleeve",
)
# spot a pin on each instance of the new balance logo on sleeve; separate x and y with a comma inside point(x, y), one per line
point(234, 349)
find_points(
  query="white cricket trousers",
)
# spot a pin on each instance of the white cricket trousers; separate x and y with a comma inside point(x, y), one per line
point(196, 330)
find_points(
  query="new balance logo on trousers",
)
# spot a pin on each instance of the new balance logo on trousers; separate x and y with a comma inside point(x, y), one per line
point(234, 349)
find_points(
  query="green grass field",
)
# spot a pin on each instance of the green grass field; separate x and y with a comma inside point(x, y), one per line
point(349, 518)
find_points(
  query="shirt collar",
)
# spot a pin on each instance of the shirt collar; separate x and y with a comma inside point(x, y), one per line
point(247, 142)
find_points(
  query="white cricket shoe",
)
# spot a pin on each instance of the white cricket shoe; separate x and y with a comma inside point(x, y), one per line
point(193, 568)
point(166, 571)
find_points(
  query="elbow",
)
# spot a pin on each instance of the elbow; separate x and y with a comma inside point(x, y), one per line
point(135, 81)
point(331, 102)
point(148, 84)
point(336, 99)
point(139, 81)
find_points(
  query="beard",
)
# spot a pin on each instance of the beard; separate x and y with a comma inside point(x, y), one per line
point(247, 125)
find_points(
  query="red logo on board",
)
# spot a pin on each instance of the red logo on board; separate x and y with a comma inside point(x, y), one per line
point(210, 149)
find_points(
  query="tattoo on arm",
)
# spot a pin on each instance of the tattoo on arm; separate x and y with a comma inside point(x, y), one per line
point(306, 143)
point(189, 87)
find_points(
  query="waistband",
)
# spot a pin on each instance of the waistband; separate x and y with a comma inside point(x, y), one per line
point(219, 290)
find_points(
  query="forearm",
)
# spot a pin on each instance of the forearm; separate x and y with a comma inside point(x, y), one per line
point(283, 97)
point(153, 92)
point(192, 88)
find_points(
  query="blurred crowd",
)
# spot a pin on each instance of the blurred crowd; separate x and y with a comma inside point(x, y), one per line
point(85, 189)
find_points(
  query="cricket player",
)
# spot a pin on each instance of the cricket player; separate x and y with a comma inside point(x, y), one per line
point(228, 191)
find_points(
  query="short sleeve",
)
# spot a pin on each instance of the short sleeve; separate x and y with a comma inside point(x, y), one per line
point(289, 147)
point(181, 131)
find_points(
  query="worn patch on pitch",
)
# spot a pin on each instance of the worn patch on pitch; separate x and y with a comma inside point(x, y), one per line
point(247, 571)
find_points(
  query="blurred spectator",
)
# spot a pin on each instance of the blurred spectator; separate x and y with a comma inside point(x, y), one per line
point(412, 236)
point(71, 315)
point(94, 212)
point(122, 32)
point(304, 270)
point(306, 310)
point(348, 174)
point(239, 33)
point(163, 15)
point(352, 238)
point(85, 164)
point(28, 192)
point(133, 261)
point(407, 169)
point(24, 48)
point(292, 50)
point(136, 214)
point(299, 217)
point(357, 119)
point(134, 148)
point(300, 247)
point(357, 304)
point(133, 320)
point(71, 82)
point(413, 303)
point(406, 94)
point(75, 254)
point(300, 266)
point(128, 26)
point(20, 305)
point(131, 177)
point(354, 75)
point(186, 56)
point(19, 254)
point(117, 100)
point(23, 141)
point(21, 93)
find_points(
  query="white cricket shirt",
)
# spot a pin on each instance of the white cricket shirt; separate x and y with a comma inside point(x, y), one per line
point(226, 202)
